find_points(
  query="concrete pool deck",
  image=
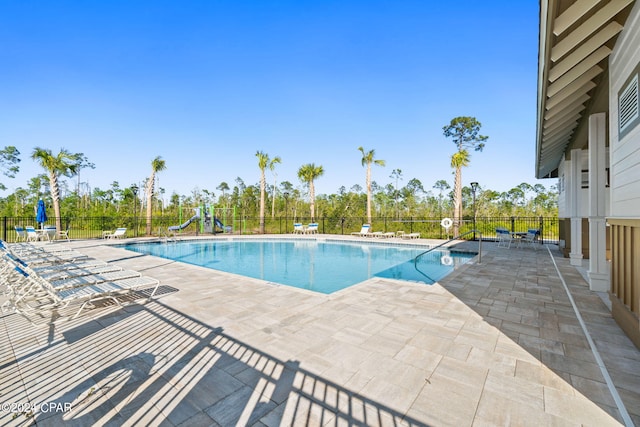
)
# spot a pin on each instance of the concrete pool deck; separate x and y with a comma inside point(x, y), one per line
point(496, 343)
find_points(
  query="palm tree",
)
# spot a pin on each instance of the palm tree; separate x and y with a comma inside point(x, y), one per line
point(157, 165)
point(459, 159)
point(465, 134)
point(272, 167)
point(367, 159)
point(264, 161)
point(307, 174)
point(64, 163)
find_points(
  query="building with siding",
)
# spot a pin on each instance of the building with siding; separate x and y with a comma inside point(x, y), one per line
point(588, 138)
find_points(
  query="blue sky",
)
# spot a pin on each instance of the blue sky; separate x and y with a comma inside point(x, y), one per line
point(206, 84)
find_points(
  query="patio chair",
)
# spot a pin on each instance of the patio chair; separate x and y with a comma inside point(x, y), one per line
point(49, 233)
point(505, 238)
point(21, 234)
point(120, 233)
point(298, 228)
point(364, 231)
point(64, 234)
point(312, 228)
point(32, 235)
point(531, 238)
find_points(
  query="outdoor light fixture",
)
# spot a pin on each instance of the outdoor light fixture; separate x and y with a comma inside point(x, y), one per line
point(286, 210)
point(474, 188)
point(134, 190)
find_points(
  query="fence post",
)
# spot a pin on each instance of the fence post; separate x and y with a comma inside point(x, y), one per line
point(541, 230)
point(4, 228)
point(513, 224)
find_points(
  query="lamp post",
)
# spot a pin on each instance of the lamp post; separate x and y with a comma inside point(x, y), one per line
point(286, 210)
point(474, 188)
point(134, 190)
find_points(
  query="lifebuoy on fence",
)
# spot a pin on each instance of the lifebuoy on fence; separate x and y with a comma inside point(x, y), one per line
point(446, 222)
point(446, 260)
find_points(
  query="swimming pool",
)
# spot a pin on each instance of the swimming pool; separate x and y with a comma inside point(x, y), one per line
point(319, 265)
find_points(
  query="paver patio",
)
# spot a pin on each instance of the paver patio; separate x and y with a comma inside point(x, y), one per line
point(496, 343)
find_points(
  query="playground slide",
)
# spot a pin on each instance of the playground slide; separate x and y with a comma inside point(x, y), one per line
point(186, 224)
point(218, 223)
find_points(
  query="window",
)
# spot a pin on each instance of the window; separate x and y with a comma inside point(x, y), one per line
point(585, 178)
point(628, 116)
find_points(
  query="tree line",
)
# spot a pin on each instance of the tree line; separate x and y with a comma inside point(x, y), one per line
point(397, 199)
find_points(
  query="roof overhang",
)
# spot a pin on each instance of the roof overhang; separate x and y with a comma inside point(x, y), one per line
point(575, 41)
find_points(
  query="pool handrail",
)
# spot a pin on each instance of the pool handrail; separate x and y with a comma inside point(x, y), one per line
point(415, 260)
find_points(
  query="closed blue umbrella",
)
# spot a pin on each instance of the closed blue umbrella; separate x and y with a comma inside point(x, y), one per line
point(41, 215)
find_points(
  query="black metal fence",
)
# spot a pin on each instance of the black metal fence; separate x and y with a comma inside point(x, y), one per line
point(431, 228)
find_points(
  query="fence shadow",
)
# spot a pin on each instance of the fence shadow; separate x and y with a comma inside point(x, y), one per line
point(150, 364)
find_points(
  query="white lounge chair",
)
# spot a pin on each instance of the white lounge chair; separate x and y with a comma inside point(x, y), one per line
point(298, 228)
point(411, 236)
point(70, 269)
point(45, 258)
point(29, 249)
point(67, 274)
point(312, 228)
point(383, 235)
point(364, 231)
point(59, 283)
point(40, 256)
point(120, 233)
point(31, 294)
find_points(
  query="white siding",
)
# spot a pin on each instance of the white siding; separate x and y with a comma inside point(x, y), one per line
point(564, 210)
point(562, 190)
point(624, 153)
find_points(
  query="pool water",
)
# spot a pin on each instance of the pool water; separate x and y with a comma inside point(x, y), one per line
point(321, 266)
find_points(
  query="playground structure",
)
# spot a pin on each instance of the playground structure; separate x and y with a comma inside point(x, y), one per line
point(204, 221)
point(195, 217)
point(225, 219)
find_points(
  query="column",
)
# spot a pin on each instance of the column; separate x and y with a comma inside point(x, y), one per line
point(598, 268)
point(574, 188)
